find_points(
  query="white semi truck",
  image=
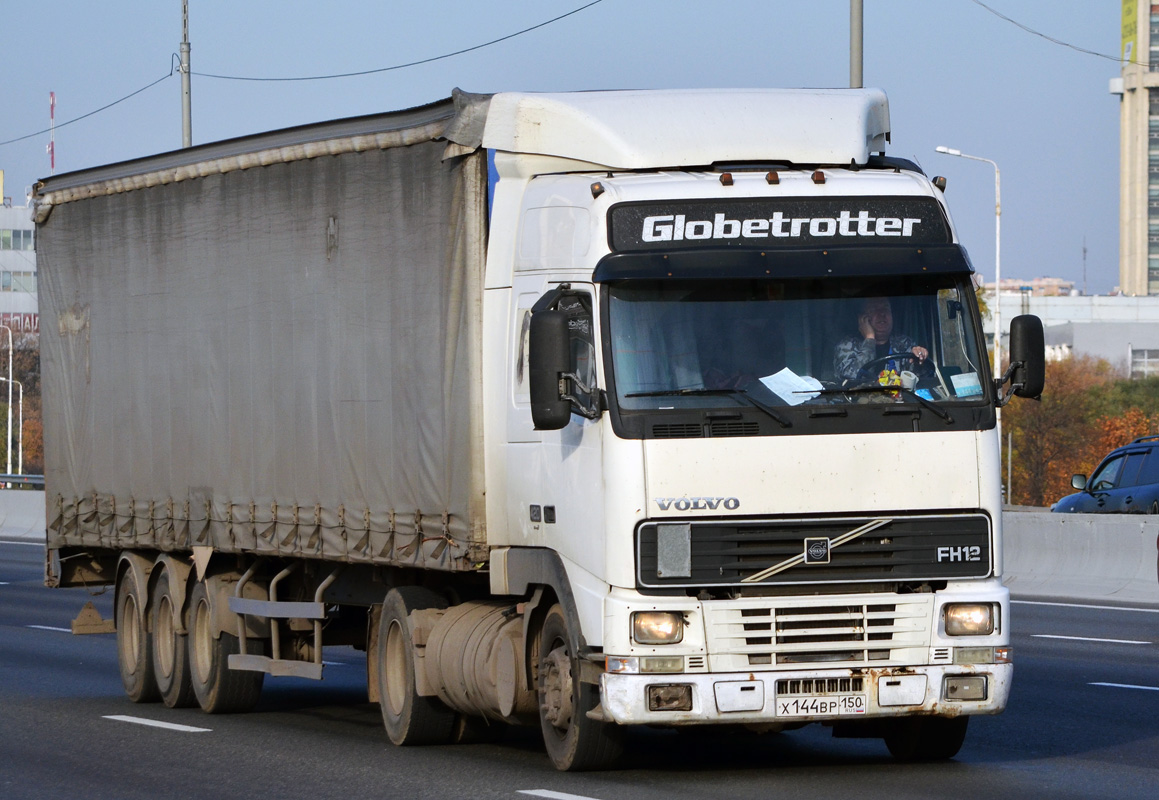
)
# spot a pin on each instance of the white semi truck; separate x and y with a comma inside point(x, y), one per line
point(581, 410)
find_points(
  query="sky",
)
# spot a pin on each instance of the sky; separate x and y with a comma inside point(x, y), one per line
point(956, 75)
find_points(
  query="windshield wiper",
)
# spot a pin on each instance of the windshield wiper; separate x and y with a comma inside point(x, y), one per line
point(701, 390)
point(877, 389)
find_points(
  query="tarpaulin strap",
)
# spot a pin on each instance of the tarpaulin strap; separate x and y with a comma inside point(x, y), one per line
point(409, 549)
point(293, 534)
point(268, 533)
point(203, 535)
point(181, 535)
point(363, 545)
point(445, 539)
point(388, 548)
point(129, 521)
point(315, 541)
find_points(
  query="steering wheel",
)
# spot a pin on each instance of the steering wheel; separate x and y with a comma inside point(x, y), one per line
point(883, 360)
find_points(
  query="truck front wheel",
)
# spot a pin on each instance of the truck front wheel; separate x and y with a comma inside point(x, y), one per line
point(926, 738)
point(219, 690)
point(134, 647)
point(574, 742)
point(409, 718)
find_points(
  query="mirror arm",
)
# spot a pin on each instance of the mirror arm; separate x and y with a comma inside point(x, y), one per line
point(1005, 395)
point(581, 409)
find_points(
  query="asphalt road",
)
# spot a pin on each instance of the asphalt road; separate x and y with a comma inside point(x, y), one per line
point(1083, 722)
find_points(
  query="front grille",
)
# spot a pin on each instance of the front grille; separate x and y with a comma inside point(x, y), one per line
point(771, 634)
point(810, 686)
point(724, 552)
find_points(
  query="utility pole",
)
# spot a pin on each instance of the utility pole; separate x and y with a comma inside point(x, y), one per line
point(186, 106)
point(856, 43)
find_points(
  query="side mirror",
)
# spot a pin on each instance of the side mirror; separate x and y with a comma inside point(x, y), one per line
point(549, 357)
point(1078, 482)
point(1027, 346)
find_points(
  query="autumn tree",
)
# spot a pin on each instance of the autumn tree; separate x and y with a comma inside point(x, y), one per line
point(1052, 438)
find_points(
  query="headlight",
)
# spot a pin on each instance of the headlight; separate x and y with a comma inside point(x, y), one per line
point(969, 619)
point(657, 627)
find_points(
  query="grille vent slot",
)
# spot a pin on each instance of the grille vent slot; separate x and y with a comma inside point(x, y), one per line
point(735, 428)
point(686, 430)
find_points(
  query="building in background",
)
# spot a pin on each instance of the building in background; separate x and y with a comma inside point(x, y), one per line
point(18, 309)
point(1124, 331)
point(1138, 89)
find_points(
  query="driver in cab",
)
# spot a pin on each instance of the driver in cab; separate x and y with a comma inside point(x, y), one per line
point(865, 355)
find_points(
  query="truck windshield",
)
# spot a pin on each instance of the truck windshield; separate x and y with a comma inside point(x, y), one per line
point(795, 343)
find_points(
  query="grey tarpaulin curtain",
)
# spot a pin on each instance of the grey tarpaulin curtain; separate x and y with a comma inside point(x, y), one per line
point(283, 358)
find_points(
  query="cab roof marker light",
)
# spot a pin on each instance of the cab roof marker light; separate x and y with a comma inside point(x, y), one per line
point(597, 189)
point(772, 178)
point(818, 176)
point(940, 182)
point(726, 179)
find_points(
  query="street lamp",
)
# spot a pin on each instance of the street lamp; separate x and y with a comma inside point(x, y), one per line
point(20, 401)
point(997, 274)
point(9, 470)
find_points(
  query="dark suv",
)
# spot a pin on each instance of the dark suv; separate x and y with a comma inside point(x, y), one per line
point(1126, 482)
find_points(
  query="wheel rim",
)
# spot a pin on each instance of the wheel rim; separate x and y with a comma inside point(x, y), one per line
point(131, 623)
point(394, 670)
point(202, 639)
point(558, 689)
point(164, 646)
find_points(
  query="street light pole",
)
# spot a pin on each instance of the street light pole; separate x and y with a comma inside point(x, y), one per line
point(5, 327)
point(997, 277)
point(20, 425)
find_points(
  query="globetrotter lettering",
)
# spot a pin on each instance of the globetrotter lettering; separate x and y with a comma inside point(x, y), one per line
point(697, 503)
point(848, 224)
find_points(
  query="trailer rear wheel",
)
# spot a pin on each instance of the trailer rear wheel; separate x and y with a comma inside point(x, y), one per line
point(219, 690)
point(574, 742)
point(926, 738)
point(170, 651)
point(409, 718)
point(134, 647)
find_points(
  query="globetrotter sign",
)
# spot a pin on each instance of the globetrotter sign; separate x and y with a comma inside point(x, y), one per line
point(780, 222)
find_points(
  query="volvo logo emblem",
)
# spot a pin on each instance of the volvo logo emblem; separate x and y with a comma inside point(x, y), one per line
point(698, 503)
point(817, 550)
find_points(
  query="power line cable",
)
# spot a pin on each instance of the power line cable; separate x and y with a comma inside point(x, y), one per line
point(1053, 40)
point(408, 64)
point(86, 116)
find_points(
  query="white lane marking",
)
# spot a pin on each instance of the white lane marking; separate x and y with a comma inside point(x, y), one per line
point(3, 583)
point(1128, 686)
point(49, 628)
point(152, 723)
point(1085, 639)
point(1080, 605)
point(554, 795)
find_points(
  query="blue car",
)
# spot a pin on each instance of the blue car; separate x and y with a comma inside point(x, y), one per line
point(1126, 482)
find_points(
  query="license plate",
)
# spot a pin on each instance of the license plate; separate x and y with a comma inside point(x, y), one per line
point(820, 705)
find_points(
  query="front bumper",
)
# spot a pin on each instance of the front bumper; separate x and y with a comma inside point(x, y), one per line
point(753, 697)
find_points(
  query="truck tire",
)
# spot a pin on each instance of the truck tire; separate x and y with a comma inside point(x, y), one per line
point(926, 738)
point(574, 742)
point(134, 647)
point(170, 650)
point(219, 690)
point(409, 718)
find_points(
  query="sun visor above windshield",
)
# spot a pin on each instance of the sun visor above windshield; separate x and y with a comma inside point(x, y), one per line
point(812, 262)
